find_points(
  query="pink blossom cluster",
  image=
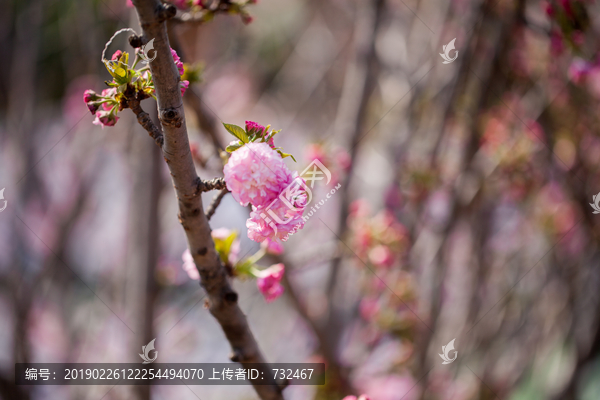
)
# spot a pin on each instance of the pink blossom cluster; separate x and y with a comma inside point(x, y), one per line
point(587, 74)
point(337, 160)
point(183, 85)
point(381, 242)
point(256, 174)
point(106, 106)
point(567, 14)
point(379, 239)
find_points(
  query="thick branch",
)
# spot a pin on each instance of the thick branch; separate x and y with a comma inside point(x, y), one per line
point(176, 151)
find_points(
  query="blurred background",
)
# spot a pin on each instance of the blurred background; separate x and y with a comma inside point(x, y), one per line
point(463, 211)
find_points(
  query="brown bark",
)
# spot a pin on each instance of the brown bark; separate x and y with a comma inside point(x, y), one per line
point(176, 151)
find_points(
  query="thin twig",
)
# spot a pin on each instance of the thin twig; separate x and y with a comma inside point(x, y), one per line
point(215, 203)
point(146, 122)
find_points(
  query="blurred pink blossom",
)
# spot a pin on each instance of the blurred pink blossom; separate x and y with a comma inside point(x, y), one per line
point(391, 387)
point(578, 70)
point(268, 282)
point(272, 246)
point(381, 256)
point(315, 152)
point(368, 308)
point(189, 266)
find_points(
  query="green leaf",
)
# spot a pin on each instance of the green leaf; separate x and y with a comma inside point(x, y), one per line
point(284, 155)
point(223, 246)
point(233, 147)
point(237, 132)
point(119, 71)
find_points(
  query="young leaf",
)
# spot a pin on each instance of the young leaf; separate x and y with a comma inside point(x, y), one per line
point(233, 147)
point(284, 155)
point(237, 132)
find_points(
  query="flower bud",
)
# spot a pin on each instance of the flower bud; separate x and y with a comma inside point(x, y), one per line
point(89, 95)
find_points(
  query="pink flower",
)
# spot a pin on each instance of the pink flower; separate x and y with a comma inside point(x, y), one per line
point(268, 282)
point(129, 4)
point(315, 152)
point(280, 219)
point(189, 266)
point(272, 246)
point(256, 174)
point(116, 55)
point(381, 256)
point(254, 129)
point(177, 61)
point(183, 85)
point(343, 159)
point(105, 118)
point(368, 308)
point(108, 93)
point(362, 397)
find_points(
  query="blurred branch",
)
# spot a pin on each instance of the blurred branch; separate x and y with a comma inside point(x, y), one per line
point(176, 151)
point(208, 123)
point(193, 96)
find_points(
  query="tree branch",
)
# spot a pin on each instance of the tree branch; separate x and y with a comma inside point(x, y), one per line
point(176, 151)
point(145, 121)
point(215, 203)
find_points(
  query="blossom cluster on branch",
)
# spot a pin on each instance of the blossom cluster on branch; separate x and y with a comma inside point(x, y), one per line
point(256, 174)
point(128, 83)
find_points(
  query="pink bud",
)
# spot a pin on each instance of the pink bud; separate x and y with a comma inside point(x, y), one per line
point(183, 85)
point(93, 107)
point(254, 128)
point(246, 19)
point(89, 95)
point(116, 55)
point(105, 118)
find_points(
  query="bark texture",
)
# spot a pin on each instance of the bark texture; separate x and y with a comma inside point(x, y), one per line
point(176, 151)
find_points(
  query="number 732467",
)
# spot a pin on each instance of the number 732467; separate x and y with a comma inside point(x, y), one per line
point(302, 374)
